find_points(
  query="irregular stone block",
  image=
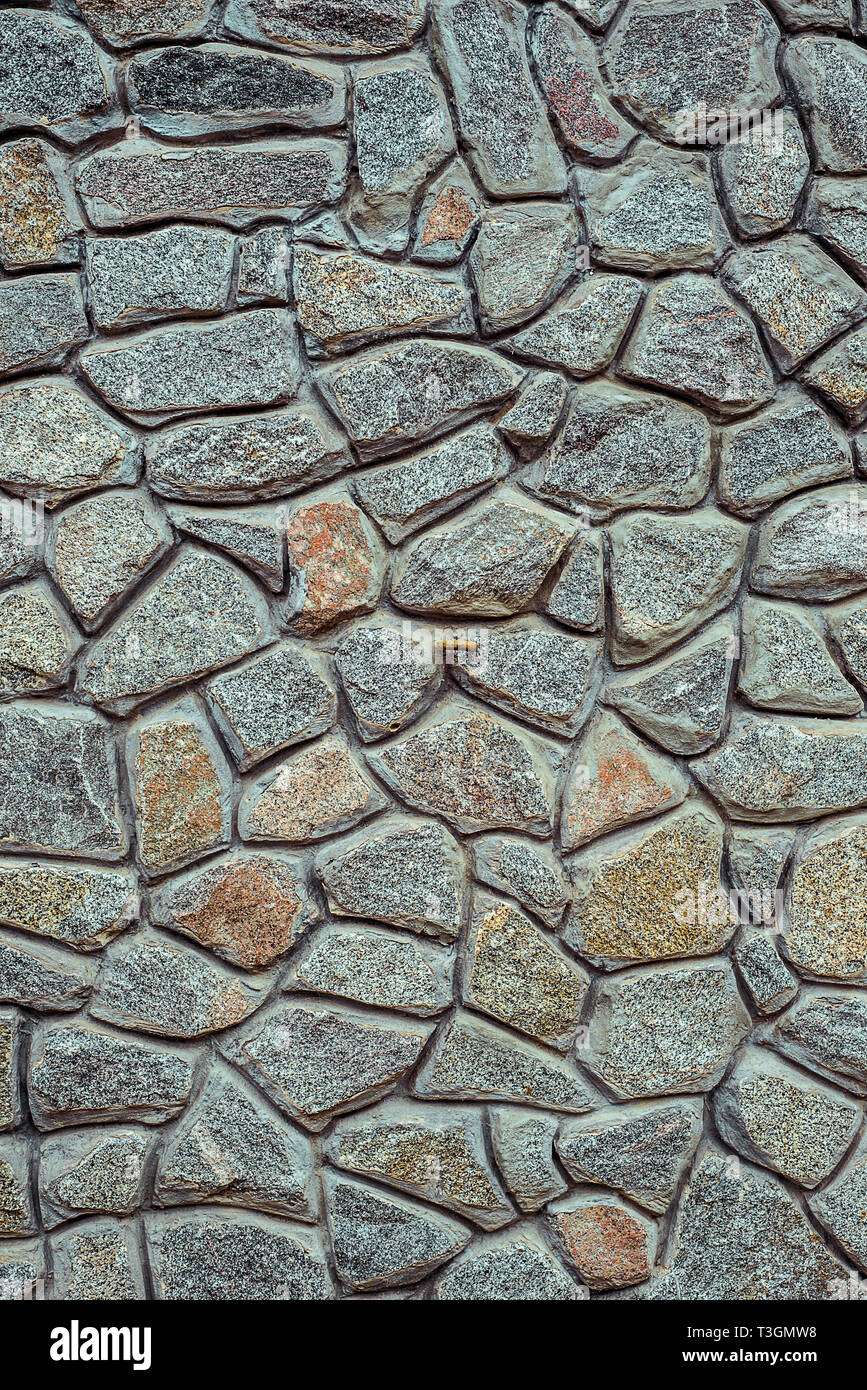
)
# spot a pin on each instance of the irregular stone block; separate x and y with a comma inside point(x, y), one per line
point(41, 318)
point(39, 222)
point(181, 788)
point(840, 1207)
point(577, 598)
point(435, 1152)
point(56, 443)
point(86, 1174)
point(337, 563)
point(22, 1270)
point(567, 69)
point(170, 273)
point(528, 872)
point(535, 415)
point(847, 624)
point(80, 906)
point(803, 14)
point(224, 1258)
point(264, 261)
point(825, 924)
point(402, 497)
point(757, 856)
point(766, 978)
point(385, 1242)
point(474, 1060)
point(37, 640)
point(524, 1149)
point(184, 92)
point(825, 1031)
point(479, 44)
point(247, 359)
point(614, 781)
point(768, 1111)
point(490, 565)
point(693, 339)
point(763, 176)
point(517, 975)
point(200, 614)
point(655, 211)
point(521, 260)
point(80, 1075)
point(837, 212)
point(681, 701)
point(316, 1060)
point(790, 445)
point(43, 980)
point(124, 24)
point(669, 575)
point(316, 793)
point(609, 1246)
point(141, 181)
point(404, 872)
point(813, 547)
point(58, 782)
point(784, 771)
point(403, 131)
point(514, 1266)
point(764, 1248)
point(388, 677)
point(840, 374)
point(829, 76)
point(543, 676)
point(251, 535)
point(98, 1261)
point(583, 333)
point(449, 215)
point(662, 1029)
point(278, 699)
point(230, 1149)
point(664, 61)
point(624, 448)
point(250, 909)
point(368, 966)
point(477, 772)
point(350, 27)
point(391, 398)
point(652, 894)
point(786, 664)
point(55, 77)
point(643, 1149)
point(800, 296)
point(17, 1217)
point(238, 459)
point(153, 987)
point(10, 1053)
point(98, 549)
point(345, 301)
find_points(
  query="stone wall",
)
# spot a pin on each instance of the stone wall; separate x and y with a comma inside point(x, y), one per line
point(433, 645)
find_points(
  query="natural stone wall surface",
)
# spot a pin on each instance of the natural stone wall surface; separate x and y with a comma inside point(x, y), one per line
point(433, 649)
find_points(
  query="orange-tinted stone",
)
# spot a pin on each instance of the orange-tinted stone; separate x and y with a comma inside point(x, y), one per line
point(606, 1244)
point(337, 564)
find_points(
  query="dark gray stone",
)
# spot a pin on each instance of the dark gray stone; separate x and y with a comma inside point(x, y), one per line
point(81, 1075)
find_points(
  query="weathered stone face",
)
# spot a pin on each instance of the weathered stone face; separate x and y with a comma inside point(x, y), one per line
point(310, 796)
point(615, 780)
point(216, 1258)
point(641, 1149)
point(831, 77)
point(350, 27)
point(568, 69)
point(39, 224)
point(764, 175)
point(336, 564)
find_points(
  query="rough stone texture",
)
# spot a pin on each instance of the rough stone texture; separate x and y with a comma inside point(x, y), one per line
point(404, 872)
point(141, 181)
point(641, 1149)
point(56, 443)
point(654, 211)
point(768, 1111)
point(39, 222)
point(217, 87)
point(250, 909)
point(661, 1030)
point(791, 445)
point(666, 58)
point(479, 43)
point(763, 176)
point(693, 339)
point(669, 574)
point(433, 646)
point(622, 448)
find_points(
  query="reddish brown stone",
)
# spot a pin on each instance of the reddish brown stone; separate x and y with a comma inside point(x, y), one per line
point(607, 1244)
point(450, 218)
point(337, 564)
point(318, 792)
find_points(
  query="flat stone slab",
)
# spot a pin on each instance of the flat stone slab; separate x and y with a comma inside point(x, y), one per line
point(514, 1266)
point(763, 176)
point(41, 318)
point(170, 273)
point(825, 1030)
point(567, 68)
point(524, 870)
point(523, 1145)
point(787, 665)
point(385, 1242)
point(77, 905)
point(42, 979)
point(520, 261)
point(350, 27)
point(90, 1174)
point(79, 1075)
point(681, 701)
point(544, 677)
point(281, 697)
point(790, 445)
point(830, 76)
point(99, 548)
point(55, 78)
point(366, 965)
point(582, 333)
point(825, 926)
